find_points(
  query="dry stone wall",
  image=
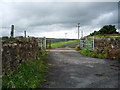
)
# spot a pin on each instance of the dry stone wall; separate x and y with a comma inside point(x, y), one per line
point(18, 50)
point(109, 46)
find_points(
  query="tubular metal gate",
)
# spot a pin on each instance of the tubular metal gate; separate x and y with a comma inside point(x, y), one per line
point(87, 43)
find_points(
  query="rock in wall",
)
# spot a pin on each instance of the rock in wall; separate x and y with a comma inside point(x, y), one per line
point(109, 46)
point(18, 50)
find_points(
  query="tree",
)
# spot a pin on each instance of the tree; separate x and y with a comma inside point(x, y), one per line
point(107, 29)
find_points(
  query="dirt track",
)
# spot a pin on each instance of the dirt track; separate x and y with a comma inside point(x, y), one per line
point(70, 69)
point(71, 45)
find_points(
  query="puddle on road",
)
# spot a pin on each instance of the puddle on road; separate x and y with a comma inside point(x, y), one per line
point(115, 65)
point(116, 69)
point(100, 74)
point(89, 65)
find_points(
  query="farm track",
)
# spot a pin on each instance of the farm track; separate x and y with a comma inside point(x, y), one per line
point(70, 69)
point(71, 45)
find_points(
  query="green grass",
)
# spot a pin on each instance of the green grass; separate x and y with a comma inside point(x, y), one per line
point(77, 47)
point(56, 45)
point(92, 53)
point(29, 75)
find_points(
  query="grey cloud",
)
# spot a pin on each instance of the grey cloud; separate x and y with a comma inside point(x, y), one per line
point(65, 15)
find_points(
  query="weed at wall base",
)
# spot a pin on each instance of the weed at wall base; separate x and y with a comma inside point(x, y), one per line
point(92, 53)
point(29, 75)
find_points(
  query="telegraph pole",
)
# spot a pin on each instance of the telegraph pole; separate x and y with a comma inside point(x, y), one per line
point(12, 31)
point(78, 29)
point(65, 36)
point(25, 33)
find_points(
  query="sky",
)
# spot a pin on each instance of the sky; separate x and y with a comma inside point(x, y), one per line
point(54, 19)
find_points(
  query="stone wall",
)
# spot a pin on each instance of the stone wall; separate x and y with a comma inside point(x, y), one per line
point(109, 46)
point(18, 50)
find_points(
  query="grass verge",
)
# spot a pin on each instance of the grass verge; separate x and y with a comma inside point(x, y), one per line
point(29, 75)
point(92, 53)
point(56, 45)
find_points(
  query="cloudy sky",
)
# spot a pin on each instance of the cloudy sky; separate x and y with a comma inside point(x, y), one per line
point(54, 19)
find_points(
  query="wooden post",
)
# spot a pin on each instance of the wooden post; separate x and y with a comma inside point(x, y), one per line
point(25, 33)
point(12, 31)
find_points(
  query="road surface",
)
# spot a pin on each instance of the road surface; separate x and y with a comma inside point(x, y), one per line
point(70, 69)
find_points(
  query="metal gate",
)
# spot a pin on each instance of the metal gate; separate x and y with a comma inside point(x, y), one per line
point(87, 43)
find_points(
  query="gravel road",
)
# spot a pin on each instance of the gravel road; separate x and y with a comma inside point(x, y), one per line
point(70, 69)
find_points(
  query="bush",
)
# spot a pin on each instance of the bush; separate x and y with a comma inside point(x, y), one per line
point(107, 29)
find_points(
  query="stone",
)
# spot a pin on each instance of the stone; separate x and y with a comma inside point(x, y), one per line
point(111, 44)
point(18, 50)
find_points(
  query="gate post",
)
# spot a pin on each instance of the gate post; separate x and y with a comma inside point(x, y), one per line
point(44, 43)
point(93, 41)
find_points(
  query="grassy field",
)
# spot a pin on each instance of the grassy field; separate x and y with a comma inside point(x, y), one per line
point(56, 45)
point(29, 75)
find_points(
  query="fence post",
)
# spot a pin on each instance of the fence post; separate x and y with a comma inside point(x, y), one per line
point(25, 33)
point(44, 43)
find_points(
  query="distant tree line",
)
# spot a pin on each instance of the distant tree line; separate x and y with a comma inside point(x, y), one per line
point(107, 29)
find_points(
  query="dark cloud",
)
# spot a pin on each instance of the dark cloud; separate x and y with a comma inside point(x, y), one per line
point(46, 17)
